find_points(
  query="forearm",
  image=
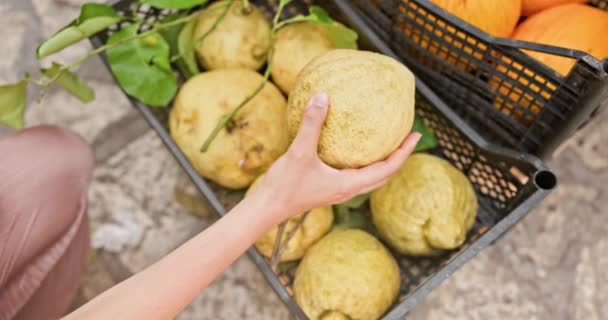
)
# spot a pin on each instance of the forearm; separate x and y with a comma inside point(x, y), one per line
point(162, 290)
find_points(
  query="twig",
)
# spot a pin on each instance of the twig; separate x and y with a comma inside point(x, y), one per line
point(291, 234)
point(275, 249)
point(279, 248)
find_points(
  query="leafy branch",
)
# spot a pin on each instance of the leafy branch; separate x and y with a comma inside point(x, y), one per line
point(93, 18)
point(155, 28)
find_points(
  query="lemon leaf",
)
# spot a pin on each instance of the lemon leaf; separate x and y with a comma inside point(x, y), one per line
point(185, 48)
point(174, 4)
point(94, 17)
point(340, 36)
point(357, 201)
point(171, 33)
point(428, 139)
point(12, 103)
point(70, 83)
point(319, 15)
point(345, 218)
point(141, 67)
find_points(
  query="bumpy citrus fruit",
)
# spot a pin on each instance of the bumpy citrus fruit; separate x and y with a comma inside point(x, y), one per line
point(249, 143)
point(371, 105)
point(241, 39)
point(428, 206)
point(295, 46)
point(348, 274)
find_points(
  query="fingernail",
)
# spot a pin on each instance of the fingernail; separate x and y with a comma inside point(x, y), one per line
point(320, 100)
point(416, 136)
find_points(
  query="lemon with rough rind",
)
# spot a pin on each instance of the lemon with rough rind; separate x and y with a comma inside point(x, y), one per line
point(426, 207)
point(249, 143)
point(317, 224)
point(371, 98)
point(348, 274)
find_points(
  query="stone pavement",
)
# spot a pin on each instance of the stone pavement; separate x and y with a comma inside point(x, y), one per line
point(550, 266)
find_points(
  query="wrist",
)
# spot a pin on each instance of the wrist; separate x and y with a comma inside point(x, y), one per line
point(268, 205)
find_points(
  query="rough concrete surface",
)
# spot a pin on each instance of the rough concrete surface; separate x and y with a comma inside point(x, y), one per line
point(550, 266)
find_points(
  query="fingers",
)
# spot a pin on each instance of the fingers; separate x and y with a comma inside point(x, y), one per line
point(374, 174)
point(312, 122)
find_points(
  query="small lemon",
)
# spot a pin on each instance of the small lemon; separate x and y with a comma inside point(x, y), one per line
point(348, 274)
point(317, 224)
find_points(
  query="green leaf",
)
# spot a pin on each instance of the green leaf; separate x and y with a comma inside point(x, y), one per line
point(340, 36)
point(141, 67)
point(70, 83)
point(284, 2)
point(174, 4)
point(12, 103)
point(93, 18)
point(172, 33)
point(345, 218)
point(319, 15)
point(288, 266)
point(179, 37)
point(428, 139)
point(356, 202)
point(185, 49)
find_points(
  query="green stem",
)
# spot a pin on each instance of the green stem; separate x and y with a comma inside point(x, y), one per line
point(277, 16)
point(155, 28)
point(225, 119)
point(217, 21)
point(290, 21)
point(200, 39)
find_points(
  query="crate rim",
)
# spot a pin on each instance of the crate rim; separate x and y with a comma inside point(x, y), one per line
point(599, 65)
point(433, 281)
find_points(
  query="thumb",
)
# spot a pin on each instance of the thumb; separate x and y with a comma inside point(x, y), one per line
point(312, 122)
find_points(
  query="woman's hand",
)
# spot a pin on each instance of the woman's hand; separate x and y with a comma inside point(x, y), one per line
point(299, 181)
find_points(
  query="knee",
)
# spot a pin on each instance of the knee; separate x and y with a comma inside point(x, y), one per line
point(64, 153)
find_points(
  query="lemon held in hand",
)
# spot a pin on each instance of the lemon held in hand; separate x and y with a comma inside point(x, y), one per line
point(317, 224)
point(250, 142)
point(348, 274)
point(428, 206)
point(371, 105)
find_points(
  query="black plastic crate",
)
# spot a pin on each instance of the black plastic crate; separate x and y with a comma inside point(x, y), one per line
point(515, 100)
point(508, 183)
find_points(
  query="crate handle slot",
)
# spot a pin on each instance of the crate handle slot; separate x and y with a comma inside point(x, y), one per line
point(545, 180)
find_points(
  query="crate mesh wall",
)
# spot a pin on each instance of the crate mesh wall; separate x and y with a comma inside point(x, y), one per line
point(498, 90)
